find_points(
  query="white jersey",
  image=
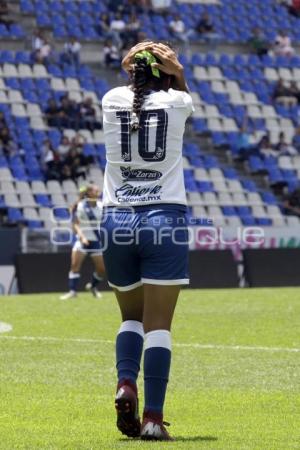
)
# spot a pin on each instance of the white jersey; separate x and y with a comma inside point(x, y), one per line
point(88, 217)
point(144, 167)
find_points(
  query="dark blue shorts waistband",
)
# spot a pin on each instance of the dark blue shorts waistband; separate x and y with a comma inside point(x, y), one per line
point(143, 208)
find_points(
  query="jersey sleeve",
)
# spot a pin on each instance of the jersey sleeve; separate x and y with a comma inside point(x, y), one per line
point(182, 99)
point(188, 101)
point(120, 97)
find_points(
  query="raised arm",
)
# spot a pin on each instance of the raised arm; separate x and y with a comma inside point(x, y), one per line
point(170, 65)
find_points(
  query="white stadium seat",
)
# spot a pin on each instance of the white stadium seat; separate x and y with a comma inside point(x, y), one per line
point(220, 185)
point(259, 212)
point(209, 199)
point(69, 187)
point(23, 187)
point(268, 112)
point(239, 199)
point(234, 186)
point(215, 125)
point(33, 110)
point(3, 97)
point(6, 187)
point(185, 163)
point(271, 74)
point(254, 112)
point(211, 111)
point(10, 71)
point(27, 200)
point(54, 187)
point(71, 199)
point(230, 125)
point(216, 174)
point(18, 110)
point(38, 187)
point(39, 71)
point(225, 199)
point(30, 214)
point(196, 98)
point(285, 74)
point(201, 174)
point(98, 137)
point(37, 123)
point(57, 84)
point(254, 199)
point(199, 112)
point(15, 96)
point(274, 211)
point(218, 86)
point(75, 96)
point(11, 200)
point(58, 200)
point(200, 73)
point(5, 174)
point(194, 198)
point(215, 73)
point(25, 71)
point(296, 73)
point(199, 211)
point(90, 94)
point(45, 214)
point(292, 221)
point(234, 221)
point(72, 84)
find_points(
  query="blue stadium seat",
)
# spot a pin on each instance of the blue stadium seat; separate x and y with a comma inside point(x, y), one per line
point(14, 215)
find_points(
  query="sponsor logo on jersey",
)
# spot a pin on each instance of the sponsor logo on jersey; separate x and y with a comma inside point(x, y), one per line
point(130, 174)
point(131, 194)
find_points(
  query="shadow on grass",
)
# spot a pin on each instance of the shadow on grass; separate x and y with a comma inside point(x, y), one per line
point(195, 438)
point(181, 439)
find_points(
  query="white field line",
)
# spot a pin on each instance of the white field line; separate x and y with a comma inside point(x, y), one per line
point(184, 345)
point(5, 327)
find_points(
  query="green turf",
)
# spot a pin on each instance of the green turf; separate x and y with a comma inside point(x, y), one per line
point(58, 394)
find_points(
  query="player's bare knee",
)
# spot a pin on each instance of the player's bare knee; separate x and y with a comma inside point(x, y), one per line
point(156, 324)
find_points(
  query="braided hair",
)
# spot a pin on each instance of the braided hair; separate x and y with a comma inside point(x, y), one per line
point(140, 80)
point(143, 82)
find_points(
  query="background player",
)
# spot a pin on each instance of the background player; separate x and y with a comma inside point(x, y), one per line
point(86, 216)
point(144, 125)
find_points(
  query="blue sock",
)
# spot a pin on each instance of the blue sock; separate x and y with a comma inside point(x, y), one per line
point(157, 362)
point(95, 280)
point(129, 348)
point(73, 281)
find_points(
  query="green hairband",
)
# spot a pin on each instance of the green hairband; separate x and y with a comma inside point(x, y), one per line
point(150, 60)
point(82, 189)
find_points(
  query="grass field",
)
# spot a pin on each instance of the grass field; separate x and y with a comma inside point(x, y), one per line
point(235, 381)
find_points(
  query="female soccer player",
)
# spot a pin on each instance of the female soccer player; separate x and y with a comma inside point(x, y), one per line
point(86, 215)
point(144, 225)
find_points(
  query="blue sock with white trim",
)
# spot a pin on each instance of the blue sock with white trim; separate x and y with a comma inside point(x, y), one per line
point(157, 362)
point(73, 281)
point(129, 348)
point(95, 280)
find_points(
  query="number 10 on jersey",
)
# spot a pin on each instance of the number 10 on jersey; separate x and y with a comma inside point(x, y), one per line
point(158, 153)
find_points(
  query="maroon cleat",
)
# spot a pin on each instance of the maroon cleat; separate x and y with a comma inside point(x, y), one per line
point(153, 428)
point(126, 403)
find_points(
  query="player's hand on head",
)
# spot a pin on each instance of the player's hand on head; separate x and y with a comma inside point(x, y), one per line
point(128, 61)
point(169, 61)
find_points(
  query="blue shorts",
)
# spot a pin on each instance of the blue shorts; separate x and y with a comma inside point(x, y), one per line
point(145, 244)
point(93, 249)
